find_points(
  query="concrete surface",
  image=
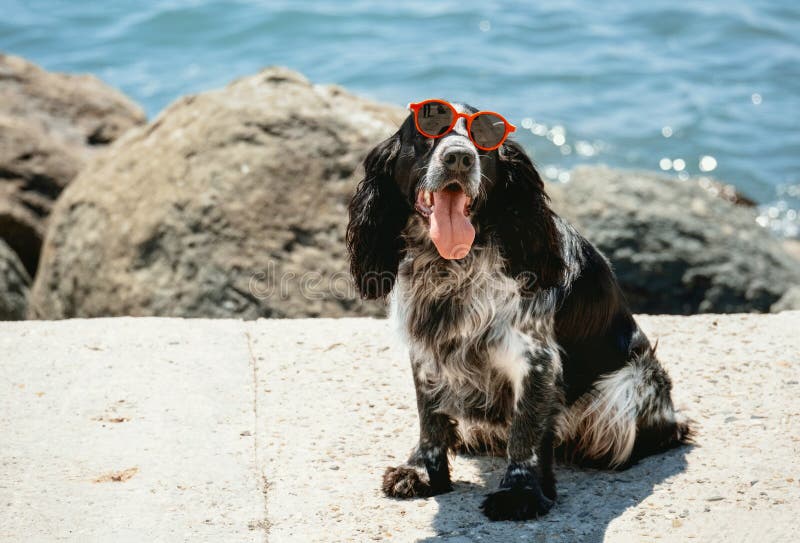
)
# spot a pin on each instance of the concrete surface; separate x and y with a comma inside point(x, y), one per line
point(176, 430)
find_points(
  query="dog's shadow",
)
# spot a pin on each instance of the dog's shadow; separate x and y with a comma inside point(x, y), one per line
point(587, 503)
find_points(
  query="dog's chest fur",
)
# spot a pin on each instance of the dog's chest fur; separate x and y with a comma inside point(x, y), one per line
point(468, 330)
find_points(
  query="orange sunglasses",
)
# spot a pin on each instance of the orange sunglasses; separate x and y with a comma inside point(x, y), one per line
point(435, 118)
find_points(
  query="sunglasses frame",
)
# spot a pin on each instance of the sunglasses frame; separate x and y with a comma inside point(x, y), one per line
point(415, 107)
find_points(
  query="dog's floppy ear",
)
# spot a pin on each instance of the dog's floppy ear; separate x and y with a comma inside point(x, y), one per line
point(523, 222)
point(378, 213)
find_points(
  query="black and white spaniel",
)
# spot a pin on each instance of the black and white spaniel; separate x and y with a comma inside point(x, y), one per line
point(520, 339)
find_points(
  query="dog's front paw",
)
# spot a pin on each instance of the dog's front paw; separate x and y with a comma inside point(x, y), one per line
point(548, 484)
point(405, 482)
point(516, 504)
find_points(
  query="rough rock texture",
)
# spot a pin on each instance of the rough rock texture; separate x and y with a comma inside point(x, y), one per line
point(788, 302)
point(675, 247)
point(725, 191)
point(50, 124)
point(280, 430)
point(231, 203)
point(79, 110)
point(792, 247)
point(34, 169)
point(14, 285)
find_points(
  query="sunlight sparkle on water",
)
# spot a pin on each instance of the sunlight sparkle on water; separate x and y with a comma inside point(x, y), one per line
point(584, 148)
point(707, 163)
point(780, 218)
point(557, 135)
point(538, 129)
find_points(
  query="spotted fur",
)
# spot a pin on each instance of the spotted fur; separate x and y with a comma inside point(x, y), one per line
point(524, 347)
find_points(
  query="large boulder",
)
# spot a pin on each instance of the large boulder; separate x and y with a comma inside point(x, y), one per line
point(34, 169)
point(792, 247)
point(675, 247)
point(789, 302)
point(231, 203)
point(14, 284)
point(50, 125)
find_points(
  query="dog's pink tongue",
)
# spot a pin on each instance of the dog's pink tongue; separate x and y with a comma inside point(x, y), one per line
point(451, 230)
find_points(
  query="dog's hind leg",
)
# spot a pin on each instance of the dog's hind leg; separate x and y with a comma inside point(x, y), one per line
point(626, 416)
point(659, 426)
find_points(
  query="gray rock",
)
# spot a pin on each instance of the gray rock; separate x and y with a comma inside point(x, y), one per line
point(231, 203)
point(50, 125)
point(14, 284)
point(675, 247)
point(792, 247)
point(79, 110)
point(789, 301)
point(34, 169)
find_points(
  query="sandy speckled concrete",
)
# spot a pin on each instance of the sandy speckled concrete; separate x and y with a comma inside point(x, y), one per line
point(279, 430)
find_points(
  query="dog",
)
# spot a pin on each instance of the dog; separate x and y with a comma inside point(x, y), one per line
point(520, 339)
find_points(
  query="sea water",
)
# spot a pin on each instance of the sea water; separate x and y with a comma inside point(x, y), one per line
point(686, 88)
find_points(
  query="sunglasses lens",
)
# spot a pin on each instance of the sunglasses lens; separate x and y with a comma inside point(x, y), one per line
point(488, 130)
point(434, 118)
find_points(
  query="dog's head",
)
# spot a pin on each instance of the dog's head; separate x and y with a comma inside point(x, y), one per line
point(462, 194)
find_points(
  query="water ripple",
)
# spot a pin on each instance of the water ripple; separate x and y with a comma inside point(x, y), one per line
point(631, 85)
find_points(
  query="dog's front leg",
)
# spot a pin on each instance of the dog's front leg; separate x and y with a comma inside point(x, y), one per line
point(427, 471)
point(529, 477)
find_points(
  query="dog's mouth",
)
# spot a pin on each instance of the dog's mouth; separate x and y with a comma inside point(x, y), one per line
point(449, 227)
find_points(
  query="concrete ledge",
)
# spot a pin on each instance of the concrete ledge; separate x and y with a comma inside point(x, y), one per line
point(127, 430)
point(168, 430)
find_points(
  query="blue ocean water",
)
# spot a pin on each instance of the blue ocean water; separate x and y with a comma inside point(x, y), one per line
point(708, 87)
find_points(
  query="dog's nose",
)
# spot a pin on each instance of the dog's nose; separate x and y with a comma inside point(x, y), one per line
point(458, 159)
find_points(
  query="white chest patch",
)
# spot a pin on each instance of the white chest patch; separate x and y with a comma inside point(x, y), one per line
point(475, 354)
point(510, 360)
